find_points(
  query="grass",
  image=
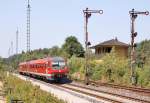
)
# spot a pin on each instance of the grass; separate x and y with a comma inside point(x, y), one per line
point(23, 90)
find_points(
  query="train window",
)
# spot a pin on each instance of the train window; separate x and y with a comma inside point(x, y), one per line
point(55, 64)
point(58, 64)
point(62, 63)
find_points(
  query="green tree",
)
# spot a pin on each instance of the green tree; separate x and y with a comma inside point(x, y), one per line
point(1, 63)
point(73, 47)
point(55, 51)
point(143, 54)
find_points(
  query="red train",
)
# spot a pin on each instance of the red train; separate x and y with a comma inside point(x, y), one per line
point(51, 68)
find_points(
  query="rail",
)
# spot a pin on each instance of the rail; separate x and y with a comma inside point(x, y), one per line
point(121, 96)
point(134, 89)
point(96, 93)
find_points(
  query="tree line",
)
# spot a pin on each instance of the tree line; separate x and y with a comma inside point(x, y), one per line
point(70, 47)
point(111, 70)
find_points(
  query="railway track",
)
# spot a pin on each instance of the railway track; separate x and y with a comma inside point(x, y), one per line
point(107, 97)
point(134, 89)
point(93, 95)
point(117, 95)
point(66, 86)
point(99, 95)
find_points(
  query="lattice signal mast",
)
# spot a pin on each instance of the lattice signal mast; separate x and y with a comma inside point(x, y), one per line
point(12, 49)
point(28, 26)
point(17, 32)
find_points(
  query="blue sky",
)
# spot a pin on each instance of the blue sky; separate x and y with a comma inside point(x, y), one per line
point(53, 20)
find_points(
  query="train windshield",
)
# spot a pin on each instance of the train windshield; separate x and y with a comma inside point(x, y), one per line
point(58, 63)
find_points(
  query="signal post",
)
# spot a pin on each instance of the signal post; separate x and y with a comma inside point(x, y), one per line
point(133, 15)
point(87, 15)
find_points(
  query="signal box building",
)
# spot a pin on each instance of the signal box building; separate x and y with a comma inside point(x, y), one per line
point(105, 47)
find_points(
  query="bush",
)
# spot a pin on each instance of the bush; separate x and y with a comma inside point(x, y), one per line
point(76, 66)
point(19, 89)
point(143, 76)
point(112, 69)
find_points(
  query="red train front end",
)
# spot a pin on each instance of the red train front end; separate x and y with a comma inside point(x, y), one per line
point(57, 69)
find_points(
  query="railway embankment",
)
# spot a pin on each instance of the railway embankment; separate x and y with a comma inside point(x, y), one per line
point(20, 90)
point(86, 94)
point(65, 94)
point(2, 97)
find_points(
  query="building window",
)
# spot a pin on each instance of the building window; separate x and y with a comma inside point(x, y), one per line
point(108, 49)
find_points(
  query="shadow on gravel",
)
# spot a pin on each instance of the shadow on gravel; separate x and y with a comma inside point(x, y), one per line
point(64, 80)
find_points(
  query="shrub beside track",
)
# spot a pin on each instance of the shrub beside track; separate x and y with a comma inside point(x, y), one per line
point(20, 90)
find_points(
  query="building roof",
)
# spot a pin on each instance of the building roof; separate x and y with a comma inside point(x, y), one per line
point(112, 42)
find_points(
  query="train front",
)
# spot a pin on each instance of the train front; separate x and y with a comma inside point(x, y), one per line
point(58, 70)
